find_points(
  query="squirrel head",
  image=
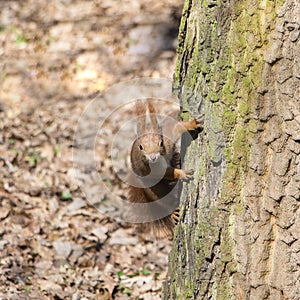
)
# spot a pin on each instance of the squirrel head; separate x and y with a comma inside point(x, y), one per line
point(149, 147)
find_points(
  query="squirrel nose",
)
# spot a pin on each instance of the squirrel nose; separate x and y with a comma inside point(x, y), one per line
point(153, 157)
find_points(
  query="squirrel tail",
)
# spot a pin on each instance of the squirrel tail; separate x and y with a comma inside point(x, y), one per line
point(160, 228)
point(165, 227)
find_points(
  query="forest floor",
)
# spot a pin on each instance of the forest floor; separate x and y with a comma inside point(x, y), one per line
point(55, 58)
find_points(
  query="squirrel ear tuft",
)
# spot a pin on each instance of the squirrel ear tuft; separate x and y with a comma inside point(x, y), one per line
point(153, 118)
point(141, 114)
point(138, 130)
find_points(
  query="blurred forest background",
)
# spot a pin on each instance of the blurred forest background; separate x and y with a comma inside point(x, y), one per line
point(54, 57)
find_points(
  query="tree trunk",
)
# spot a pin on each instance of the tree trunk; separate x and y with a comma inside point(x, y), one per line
point(239, 234)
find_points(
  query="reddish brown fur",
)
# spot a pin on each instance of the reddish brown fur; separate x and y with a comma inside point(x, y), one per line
point(159, 228)
point(150, 142)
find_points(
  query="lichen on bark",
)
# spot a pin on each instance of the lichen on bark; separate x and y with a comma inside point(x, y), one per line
point(229, 234)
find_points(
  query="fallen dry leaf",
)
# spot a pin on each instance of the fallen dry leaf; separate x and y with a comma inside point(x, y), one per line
point(59, 240)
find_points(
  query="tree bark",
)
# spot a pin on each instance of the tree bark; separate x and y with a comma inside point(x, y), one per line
point(239, 233)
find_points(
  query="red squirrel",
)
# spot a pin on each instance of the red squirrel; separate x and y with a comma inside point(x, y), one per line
point(155, 161)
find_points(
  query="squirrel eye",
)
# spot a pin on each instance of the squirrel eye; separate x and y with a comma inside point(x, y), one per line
point(141, 147)
point(161, 144)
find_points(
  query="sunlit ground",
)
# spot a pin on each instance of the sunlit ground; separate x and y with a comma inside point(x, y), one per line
point(54, 57)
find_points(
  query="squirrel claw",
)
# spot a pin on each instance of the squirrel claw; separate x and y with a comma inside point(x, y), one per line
point(175, 216)
point(199, 121)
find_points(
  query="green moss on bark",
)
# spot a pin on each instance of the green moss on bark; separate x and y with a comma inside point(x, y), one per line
point(219, 69)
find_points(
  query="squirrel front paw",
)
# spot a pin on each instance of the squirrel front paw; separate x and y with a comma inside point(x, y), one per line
point(199, 120)
point(186, 174)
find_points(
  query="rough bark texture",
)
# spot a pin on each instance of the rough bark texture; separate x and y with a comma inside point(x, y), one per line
point(239, 235)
